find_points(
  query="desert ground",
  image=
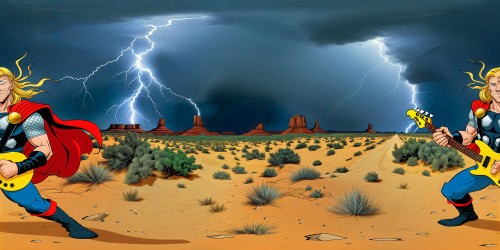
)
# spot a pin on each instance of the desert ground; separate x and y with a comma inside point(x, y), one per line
point(169, 217)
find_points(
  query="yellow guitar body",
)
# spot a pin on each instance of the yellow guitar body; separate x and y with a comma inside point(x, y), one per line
point(18, 181)
point(489, 158)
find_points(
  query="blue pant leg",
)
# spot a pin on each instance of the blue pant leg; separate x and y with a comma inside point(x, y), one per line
point(29, 198)
point(463, 183)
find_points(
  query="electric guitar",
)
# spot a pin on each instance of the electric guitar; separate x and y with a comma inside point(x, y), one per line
point(485, 159)
point(17, 181)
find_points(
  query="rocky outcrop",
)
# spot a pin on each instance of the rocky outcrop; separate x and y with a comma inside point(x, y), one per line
point(370, 129)
point(297, 125)
point(124, 128)
point(317, 129)
point(198, 128)
point(259, 130)
point(161, 129)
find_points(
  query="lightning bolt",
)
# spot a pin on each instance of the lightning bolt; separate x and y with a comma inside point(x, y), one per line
point(382, 51)
point(142, 78)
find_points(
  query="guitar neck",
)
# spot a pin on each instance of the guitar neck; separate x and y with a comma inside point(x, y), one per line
point(459, 146)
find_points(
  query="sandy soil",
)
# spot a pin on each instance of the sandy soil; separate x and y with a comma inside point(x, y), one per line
point(169, 217)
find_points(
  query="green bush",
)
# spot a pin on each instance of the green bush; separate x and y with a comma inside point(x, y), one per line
point(225, 166)
point(308, 188)
point(341, 170)
point(354, 203)
point(316, 194)
point(337, 146)
point(219, 148)
point(131, 146)
point(400, 171)
point(249, 180)
point(220, 157)
point(357, 144)
point(301, 145)
point(171, 163)
point(255, 154)
point(222, 175)
point(217, 208)
point(409, 149)
point(372, 177)
point(317, 163)
point(140, 168)
point(181, 185)
point(283, 156)
point(305, 173)
point(313, 147)
point(426, 173)
point(264, 194)
point(440, 157)
point(239, 170)
point(357, 153)
point(207, 201)
point(257, 229)
point(131, 195)
point(269, 172)
point(330, 152)
point(93, 175)
point(412, 161)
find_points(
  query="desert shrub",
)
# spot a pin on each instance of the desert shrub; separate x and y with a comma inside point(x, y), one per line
point(93, 175)
point(344, 142)
point(120, 156)
point(426, 173)
point(225, 166)
point(131, 195)
point(440, 157)
point(354, 203)
point(269, 172)
point(222, 175)
point(370, 147)
point(264, 194)
point(255, 154)
point(313, 147)
point(205, 151)
point(316, 141)
point(338, 146)
point(317, 163)
point(217, 208)
point(301, 145)
point(220, 157)
point(249, 180)
point(219, 148)
point(330, 152)
point(357, 153)
point(372, 177)
point(181, 185)
point(239, 170)
point(207, 201)
point(267, 149)
point(140, 168)
point(403, 185)
point(412, 161)
point(357, 144)
point(329, 145)
point(283, 156)
point(257, 229)
point(305, 173)
point(341, 170)
point(172, 163)
point(409, 149)
point(316, 194)
point(400, 171)
point(308, 188)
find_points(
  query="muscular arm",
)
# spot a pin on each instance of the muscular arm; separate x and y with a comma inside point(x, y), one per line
point(468, 135)
point(41, 143)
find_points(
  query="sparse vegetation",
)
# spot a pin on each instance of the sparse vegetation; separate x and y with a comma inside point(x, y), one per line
point(330, 152)
point(222, 175)
point(217, 208)
point(403, 185)
point(92, 175)
point(269, 172)
point(341, 170)
point(255, 154)
point(400, 171)
point(313, 147)
point(354, 203)
point(131, 195)
point(181, 185)
point(239, 170)
point(316, 194)
point(426, 173)
point(301, 145)
point(305, 173)
point(372, 177)
point(412, 161)
point(308, 188)
point(207, 201)
point(257, 229)
point(317, 163)
point(264, 194)
point(357, 153)
point(249, 180)
point(283, 156)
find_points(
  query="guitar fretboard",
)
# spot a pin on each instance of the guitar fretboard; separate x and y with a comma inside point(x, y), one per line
point(459, 146)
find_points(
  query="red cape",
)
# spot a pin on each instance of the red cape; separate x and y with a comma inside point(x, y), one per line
point(67, 140)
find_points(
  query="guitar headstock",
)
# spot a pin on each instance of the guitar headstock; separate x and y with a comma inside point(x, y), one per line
point(421, 117)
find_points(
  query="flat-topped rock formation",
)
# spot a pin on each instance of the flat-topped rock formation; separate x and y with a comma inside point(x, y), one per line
point(161, 129)
point(259, 130)
point(124, 128)
point(370, 129)
point(198, 128)
point(297, 125)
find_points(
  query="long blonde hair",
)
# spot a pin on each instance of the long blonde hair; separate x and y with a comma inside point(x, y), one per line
point(21, 87)
point(484, 91)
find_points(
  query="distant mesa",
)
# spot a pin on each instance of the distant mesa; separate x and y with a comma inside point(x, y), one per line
point(297, 125)
point(161, 129)
point(228, 133)
point(317, 129)
point(259, 130)
point(124, 128)
point(370, 129)
point(198, 128)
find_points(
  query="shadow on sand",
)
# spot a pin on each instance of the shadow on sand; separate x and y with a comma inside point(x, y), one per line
point(54, 230)
point(485, 224)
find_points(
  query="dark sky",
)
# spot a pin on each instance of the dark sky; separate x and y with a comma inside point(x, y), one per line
point(256, 61)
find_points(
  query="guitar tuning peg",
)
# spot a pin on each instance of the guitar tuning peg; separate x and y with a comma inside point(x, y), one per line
point(426, 113)
point(421, 111)
point(417, 109)
point(431, 115)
